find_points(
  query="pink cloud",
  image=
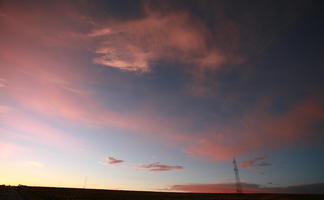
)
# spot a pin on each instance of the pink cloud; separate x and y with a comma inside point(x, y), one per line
point(175, 34)
point(211, 143)
point(51, 30)
point(27, 127)
point(257, 131)
point(253, 163)
point(46, 82)
point(58, 94)
point(158, 167)
point(133, 45)
point(205, 149)
point(100, 32)
point(111, 161)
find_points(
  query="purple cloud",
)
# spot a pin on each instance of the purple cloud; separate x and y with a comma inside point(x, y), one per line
point(111, 161)
point(158, 167)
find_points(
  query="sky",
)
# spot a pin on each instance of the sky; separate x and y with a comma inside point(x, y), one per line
point(161, 95)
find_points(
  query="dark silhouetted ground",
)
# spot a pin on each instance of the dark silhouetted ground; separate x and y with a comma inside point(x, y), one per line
point(47, 193)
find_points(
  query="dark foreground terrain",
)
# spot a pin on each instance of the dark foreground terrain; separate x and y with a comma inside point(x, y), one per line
point(47, 193)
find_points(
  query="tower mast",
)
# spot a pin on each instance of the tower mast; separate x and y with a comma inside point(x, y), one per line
point(237, 177)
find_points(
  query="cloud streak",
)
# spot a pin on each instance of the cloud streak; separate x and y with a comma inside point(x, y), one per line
point(158, 167)
point(29, 128)
point(252, 164)
point(111, 161)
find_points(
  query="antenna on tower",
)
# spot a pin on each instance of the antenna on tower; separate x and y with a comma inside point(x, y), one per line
point(237, 177)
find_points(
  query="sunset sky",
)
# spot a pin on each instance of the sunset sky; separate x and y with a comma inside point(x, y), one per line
point(161, 95)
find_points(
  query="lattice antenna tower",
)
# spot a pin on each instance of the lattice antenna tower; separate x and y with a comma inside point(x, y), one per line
point(237, 177)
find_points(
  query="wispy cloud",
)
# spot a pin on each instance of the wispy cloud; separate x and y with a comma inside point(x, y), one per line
point(134, 45)
point(100, 32)
point(158, 167)
point(111, 161)
point(278, 130)
point(32, 129)
point(253, 164)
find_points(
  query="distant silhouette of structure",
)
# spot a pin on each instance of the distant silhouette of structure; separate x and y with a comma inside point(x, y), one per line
point(237, 177)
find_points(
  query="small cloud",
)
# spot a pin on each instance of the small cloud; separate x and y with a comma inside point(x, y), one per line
point(35, 163)
point(158, 167)
point(111, 161)
point(252, 164)
point(136, 60)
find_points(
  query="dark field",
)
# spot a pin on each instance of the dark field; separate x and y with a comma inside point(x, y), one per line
point(47, 193)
